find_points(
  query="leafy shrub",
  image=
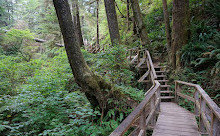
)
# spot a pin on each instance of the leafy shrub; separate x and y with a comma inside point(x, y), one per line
point(18, 42)
point(191, 52)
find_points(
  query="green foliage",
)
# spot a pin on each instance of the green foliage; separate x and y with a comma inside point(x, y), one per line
point(213, 7)
point(43, 99)
point(112, 64)
point(18, 42)
point(191, 52)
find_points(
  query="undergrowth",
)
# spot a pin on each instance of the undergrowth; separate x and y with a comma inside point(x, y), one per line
point(40, 97)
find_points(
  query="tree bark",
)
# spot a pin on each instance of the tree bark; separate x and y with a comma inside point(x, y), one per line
point(139, 22)
point(128, 14)
point(92, 85)
point(77, 23)
point(179, 30)
point(112, 21)
point(97, 23)
point(167, 24)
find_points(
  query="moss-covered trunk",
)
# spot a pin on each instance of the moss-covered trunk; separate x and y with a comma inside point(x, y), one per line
point(167, 24)
point(179, 30)
point(92, 85)
point(139, 22)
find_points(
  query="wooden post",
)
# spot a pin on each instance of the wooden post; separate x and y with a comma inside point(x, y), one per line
point(143, 121)
point(215, 126)
point(177, 89)
point(144, 54)
point(152, 106)
point(202, 110)
point(196, 97)
point(158, 97)
point(139, 55)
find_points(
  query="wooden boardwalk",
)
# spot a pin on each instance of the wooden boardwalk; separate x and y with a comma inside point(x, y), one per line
point(159, 110)
point(174, 120)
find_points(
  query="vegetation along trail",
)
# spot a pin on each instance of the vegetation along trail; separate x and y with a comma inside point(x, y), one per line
point(109, 67)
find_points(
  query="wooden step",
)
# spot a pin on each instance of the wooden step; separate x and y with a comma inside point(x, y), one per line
point(161, 76)
point(163, 86)
point(163, 81)
point(167, 97)
point(166, 91)
point(160, 71)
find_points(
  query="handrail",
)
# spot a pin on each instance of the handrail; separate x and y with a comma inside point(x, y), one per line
point(151, 101)
point(208, 122)
point(151, 64)
point(126, 124)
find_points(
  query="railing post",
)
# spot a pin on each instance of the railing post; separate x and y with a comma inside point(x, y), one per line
point(215, 126)
point(196, 97)
point(158, 97)
point(143, 122)
point(202, 110)
point(177, 89)
point(144, 54)
point(138, 53)
point(152, 106)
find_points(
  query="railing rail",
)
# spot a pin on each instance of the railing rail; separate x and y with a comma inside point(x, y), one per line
point(144, 114)
point(152, 102)
point(204, 107)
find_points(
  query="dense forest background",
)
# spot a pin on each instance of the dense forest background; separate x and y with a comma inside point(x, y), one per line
point(38, 93)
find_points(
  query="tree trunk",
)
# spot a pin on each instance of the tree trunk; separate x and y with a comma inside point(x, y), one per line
point(112, 21)
point(139, 22)
point(167, 24)
point(128, 14)
point(77, 24)
point(97, 23)
point(179, 30)
point(92, 85)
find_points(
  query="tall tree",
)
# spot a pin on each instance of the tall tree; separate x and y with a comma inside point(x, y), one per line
point(179, 30)
point(139, 22)
point(112, 21)
point(97, 23)
point(77, 24)
point(94, 87)
point(128, 14)
point(167, 24)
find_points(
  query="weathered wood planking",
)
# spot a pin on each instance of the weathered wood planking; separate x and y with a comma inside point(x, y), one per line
point(175, 120)
point(204, 107)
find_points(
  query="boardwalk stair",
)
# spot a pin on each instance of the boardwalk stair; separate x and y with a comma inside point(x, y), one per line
point(160, 110)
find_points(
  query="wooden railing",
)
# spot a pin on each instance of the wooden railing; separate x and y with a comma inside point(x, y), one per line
point(142, 56)
point(204, 107)
point(144, 115)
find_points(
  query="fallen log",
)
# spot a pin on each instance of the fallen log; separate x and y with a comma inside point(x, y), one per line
point(38, 40)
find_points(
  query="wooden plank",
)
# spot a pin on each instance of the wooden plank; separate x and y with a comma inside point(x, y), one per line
point(162, 134)
point(177, 133)
point(132, 62)
point(178, 125)
point(167, 97)
point(186, 97)
point(139, 64)
point(175, 120)
point(176, 128)
point(144, 76)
